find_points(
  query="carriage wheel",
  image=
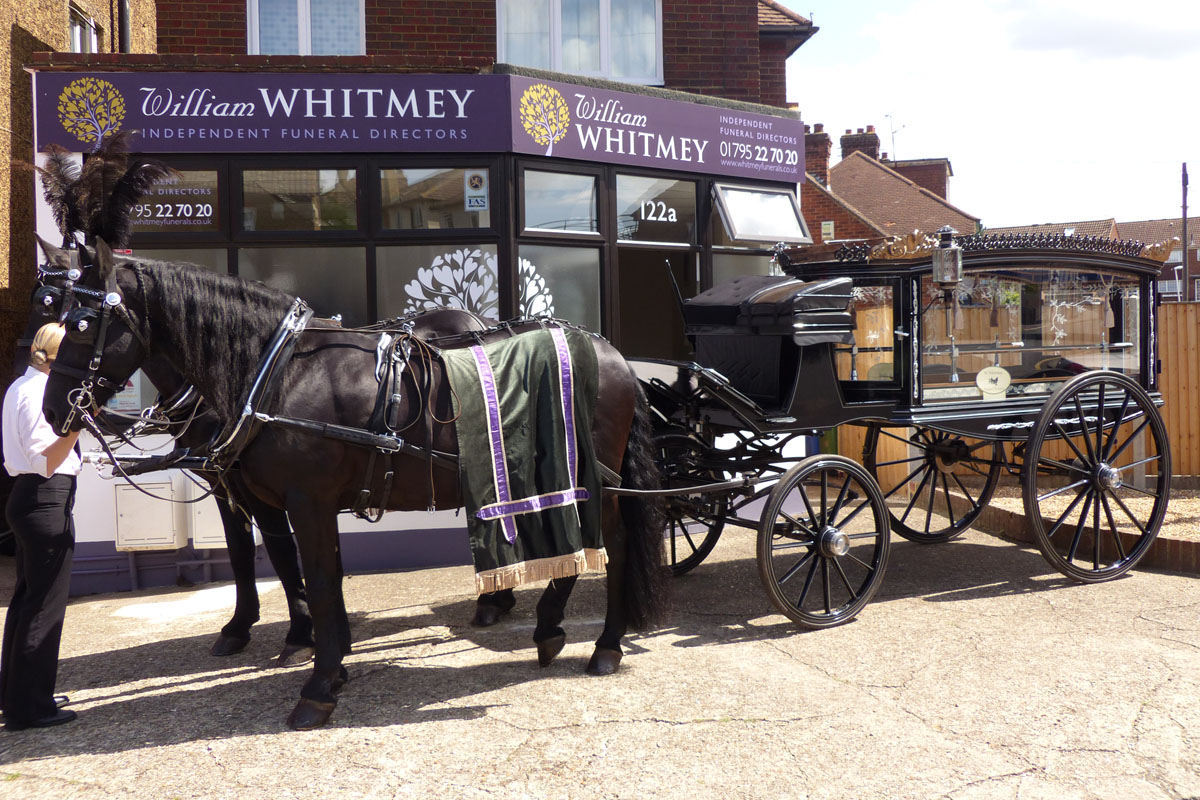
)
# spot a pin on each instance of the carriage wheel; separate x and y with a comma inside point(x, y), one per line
point(936, 463)
point(1088, 517)
point(823, 541)
point(694, 521)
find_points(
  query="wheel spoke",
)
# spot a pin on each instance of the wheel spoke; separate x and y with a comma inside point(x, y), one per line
point(812, 570)
point(1087, 436)
point(904, 482)
point(1062, 465)
point(1118, 422)
point(1062, 489)
point(825, 585)
point(1098, 449)
point(799, 565)
point(1075, 540)
point(974, 503)
point(811, 531)
point(932, 498)
point(1146, 460)
point(1137, 431)
point(899, 461)
point(1096, 528)
point(1139, 490)
point(845, 581)
point(1066, 437)
point(843, 523)
point(841, 498)
point(949, 508)
point(917, 493)
point(1129, 514)
point(1058, 523)
point(812, 514)
point(904, 439)
point(1113, 525)
point(824, 499)
point(858, 561)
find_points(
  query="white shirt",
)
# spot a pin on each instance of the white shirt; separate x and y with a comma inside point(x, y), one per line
point(26, 432)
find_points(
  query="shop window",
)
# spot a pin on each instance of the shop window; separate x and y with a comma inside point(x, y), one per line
point(560, 201)
point(431, 199)
point(306, 27)
point(332, 279)
point(619, 39)
point(562, 282)
point(420, 277)
point(210, 258)
point(186, 202)
point(82, 31)
point(656, 210)
point(299, 200)
point(754, 214)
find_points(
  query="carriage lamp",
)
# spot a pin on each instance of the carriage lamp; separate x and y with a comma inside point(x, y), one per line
point(948, 274)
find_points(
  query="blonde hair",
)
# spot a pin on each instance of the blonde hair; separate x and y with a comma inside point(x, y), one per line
point(45, 344)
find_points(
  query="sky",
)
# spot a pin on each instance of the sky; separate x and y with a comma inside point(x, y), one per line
point(1049, 110)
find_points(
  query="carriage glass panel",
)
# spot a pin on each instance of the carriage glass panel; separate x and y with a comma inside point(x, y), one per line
point(561, 202)
point(562, 282)
point(411, 278)
point(186, 202)
point(871, 357)
point(1023, 331)
point(300, 200)
point(333, 280)
point(434, 199)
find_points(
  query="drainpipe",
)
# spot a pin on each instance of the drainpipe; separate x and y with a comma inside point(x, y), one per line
point(124, 31)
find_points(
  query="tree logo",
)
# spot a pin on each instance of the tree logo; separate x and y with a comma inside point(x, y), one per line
point(544, 115)
point(90, 109)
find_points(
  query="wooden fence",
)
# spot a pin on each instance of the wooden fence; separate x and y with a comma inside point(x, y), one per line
point(1179, 350)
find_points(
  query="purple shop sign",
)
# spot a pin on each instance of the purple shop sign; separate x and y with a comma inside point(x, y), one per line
point(566, 120)
point(226, 112)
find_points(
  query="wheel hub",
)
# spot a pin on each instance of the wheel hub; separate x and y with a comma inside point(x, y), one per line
point(832, 543)
point(944, 455)
point(1108, 477)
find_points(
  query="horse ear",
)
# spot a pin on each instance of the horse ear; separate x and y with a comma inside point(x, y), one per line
point(104, 258)
point(54, 255)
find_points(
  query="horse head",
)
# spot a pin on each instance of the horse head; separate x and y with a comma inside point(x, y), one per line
point(105, 342)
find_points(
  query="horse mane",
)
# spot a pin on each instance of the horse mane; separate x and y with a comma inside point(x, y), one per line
point(217, 325)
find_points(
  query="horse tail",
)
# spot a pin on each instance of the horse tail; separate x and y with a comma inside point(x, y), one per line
point(646, 579)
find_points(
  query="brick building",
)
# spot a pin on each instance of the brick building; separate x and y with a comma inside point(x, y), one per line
point(348, 151)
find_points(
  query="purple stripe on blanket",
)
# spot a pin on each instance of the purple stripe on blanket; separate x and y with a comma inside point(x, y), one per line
point(551, 500)
point(566, 378)
point(499, 467)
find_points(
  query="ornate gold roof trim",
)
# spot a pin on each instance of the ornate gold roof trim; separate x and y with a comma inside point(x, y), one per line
point(1160, 251)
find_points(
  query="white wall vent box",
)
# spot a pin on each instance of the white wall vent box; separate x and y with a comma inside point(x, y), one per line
point(146, 523)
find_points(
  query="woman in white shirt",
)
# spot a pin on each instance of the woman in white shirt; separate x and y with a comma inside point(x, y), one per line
point(39, 512)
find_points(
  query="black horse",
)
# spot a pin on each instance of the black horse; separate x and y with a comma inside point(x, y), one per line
point(213, 329)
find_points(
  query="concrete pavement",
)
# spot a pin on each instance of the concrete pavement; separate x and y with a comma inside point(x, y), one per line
point(977, 672)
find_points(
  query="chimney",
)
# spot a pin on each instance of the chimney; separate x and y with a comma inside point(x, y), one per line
point(817, 149)
point(866, 142)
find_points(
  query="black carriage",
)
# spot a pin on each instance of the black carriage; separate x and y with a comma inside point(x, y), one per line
point(952, 362)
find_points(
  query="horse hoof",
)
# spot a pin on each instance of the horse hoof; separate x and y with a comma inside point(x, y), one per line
point(227, 645)
point(294, 655)
point(309, 714)
point(604, 661)
point(487, 615)
point(549, 649)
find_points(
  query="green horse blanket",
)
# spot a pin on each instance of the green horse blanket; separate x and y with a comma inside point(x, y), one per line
point(531, 485)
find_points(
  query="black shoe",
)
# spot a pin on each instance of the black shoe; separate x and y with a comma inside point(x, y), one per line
point(60, 717)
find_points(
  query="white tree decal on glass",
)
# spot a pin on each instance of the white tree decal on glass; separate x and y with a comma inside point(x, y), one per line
point(461, 279)
point(467, 279)
point(536, 300)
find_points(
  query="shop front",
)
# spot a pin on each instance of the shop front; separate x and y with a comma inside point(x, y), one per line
point(375, 195)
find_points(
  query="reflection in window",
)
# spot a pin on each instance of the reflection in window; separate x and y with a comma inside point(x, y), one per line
point(300, 200)
point(656, 209)
point(186, 202)
point(215, 259)
point(560, 201)
point(333, 280)
point(1040, 325)
point(306, 27)
point(760, 215)
point(563, 282)
point(872, 356)
point(727, 266)
point(421, 277)
point(431, 199)
point(610, 38)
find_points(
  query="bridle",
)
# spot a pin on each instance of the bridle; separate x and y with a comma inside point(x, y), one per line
point(85, 323)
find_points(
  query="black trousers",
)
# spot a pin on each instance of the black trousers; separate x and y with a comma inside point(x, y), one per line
point(39, 512)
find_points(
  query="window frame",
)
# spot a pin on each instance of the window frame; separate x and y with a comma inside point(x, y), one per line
point(80, 23)
point(304, 28)
point(727, 217)
point(605, 71)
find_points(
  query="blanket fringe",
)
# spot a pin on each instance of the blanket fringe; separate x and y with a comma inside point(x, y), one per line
point(541, 569)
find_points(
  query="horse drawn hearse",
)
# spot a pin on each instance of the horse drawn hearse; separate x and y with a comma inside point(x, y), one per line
point(952, 362)
point(955, 361)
